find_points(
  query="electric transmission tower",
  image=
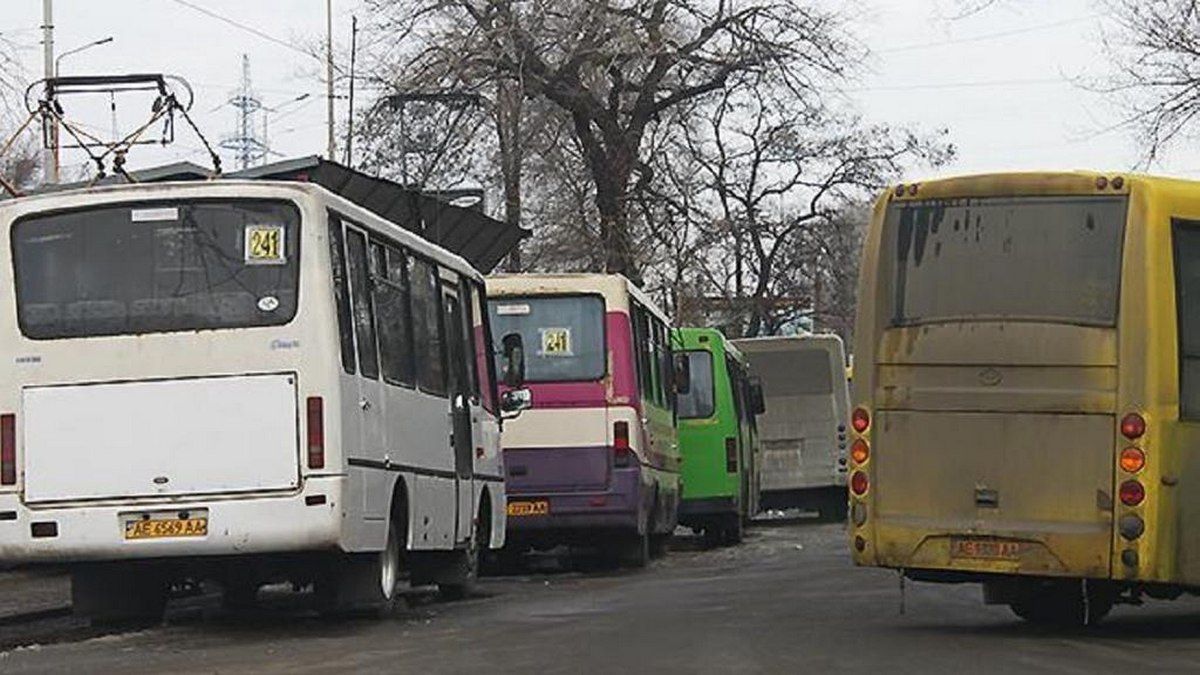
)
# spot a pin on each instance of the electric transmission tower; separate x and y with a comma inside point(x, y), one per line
point(248, 149)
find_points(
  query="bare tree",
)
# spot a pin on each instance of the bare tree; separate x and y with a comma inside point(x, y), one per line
point(613, 67)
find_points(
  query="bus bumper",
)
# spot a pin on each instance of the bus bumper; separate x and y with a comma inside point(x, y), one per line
point(703, 510)
point(575, 516)
point(242, 524)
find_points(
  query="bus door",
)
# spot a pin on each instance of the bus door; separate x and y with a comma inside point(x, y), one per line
point(462, 436)
point(367, 407)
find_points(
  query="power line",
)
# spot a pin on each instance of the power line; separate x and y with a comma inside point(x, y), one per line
point(976, 84)
point(249, 29)
point(988, 36)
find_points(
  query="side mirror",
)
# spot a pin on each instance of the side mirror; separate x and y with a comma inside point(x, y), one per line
point(758, 402)
point(514, 401)
point(514, 360)
point(683, 373)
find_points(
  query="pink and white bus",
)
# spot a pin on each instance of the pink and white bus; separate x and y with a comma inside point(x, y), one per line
point(594, 462)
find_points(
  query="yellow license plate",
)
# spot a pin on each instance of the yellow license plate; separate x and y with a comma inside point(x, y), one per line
point(540, 507)
point(159, 528)
point(990, 549)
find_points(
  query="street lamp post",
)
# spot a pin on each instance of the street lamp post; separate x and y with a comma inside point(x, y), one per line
point(54, 167)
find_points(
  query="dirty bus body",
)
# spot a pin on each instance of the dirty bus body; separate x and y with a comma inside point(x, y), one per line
point(718, 437)
point(221, 380)
point(595, 461)
point(1026, 389)
point(803, 432)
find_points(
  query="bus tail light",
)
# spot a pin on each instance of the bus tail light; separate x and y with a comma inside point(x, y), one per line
point(1132, 460)
point(731, 455)
point(316, 433)
point(859, 483)
point(1132, 493)
point(1133, 426)
point(860, 419)
point(8, 449)
point(860, 452)
point(622, 452)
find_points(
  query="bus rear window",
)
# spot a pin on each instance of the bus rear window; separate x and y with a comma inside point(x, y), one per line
point(146, 268)
point(698, 402)
point(1055, 259)
point(563, 335)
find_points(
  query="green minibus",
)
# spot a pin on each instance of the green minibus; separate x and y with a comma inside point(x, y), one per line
point(718, 439)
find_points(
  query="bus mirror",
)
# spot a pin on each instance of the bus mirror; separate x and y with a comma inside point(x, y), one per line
point(514, 360)
point(683, 374)
point(513, 401)
point(758, 402)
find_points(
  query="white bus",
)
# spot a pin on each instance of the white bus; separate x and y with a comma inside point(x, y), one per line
point(246, 382)
point(803, 432)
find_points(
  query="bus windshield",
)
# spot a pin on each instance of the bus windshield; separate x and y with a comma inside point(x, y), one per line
point(563, 335)
point(1054, 259)
point(698, 402)
point(156, 267)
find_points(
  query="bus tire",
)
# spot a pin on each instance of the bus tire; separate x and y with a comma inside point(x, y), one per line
point(119, 593)
point(734, 531)
point(1060, 604)
point(633, 550)
point(469, 560)
point(363, 583)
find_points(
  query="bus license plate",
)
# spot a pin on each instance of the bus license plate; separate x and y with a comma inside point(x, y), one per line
point(991, 549)
point(540, 507)
point(159, 528)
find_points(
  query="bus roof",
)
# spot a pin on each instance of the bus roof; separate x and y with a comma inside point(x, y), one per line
point(12, 209)
point(611, 286)
point(1032, 183)
point(695, 337)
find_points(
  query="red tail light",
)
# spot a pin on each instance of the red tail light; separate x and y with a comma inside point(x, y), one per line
point(860, 419)
point(316, 433)
point(731, 455)
point(1133, 426)
point(859, 483)
point(1132, 493)
point(622, 453)
point(8, 449)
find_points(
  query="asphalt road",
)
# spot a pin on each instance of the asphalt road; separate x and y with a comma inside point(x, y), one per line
point(787, 600)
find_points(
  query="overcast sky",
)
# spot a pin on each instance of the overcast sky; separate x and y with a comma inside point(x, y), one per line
point(1001, 82)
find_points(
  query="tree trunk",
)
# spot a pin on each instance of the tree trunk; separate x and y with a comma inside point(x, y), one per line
point(509, 98)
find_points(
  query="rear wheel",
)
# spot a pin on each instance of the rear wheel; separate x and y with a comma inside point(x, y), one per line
point(734, 531)
point(1063, 603)
point(633, 550)
point(363, 583)
point(119, 593)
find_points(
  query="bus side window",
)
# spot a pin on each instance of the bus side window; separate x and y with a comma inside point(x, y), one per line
point(456, 351)
point(364, 319)
point(484, 363)
point(427, 326)
point(1187, 301)
point(469, 313)
point(341, 292)
point(641, 343)
point(392, 311)
point(660, 363)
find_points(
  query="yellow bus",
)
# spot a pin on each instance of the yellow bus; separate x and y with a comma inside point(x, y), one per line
point(1026, 405)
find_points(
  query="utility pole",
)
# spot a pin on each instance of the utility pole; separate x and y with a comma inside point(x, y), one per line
point(49, 164)
point(332, 149)
point(350, 107)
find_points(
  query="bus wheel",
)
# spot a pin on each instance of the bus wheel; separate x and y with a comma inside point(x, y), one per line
point(734, 531)
point(633, 550)
point(363, 583)
point(1061, 603)
point(469, 560)
point(239, 594)
point(116, 593)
